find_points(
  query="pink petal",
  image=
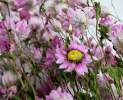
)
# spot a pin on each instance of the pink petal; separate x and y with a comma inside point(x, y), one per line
point(60, 60)
point(81, 69)
point(63, 66)
point(73, 45)
point(87, 59)
point(82, 48)
point(70, 68)
point(59, 55)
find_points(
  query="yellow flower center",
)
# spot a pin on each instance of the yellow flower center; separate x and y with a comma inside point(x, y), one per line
point(75, 55)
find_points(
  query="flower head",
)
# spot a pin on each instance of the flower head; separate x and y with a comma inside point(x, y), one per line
point(75, 57)
point(107, 21)
point(59, 95)
point(22, 29)
point(8, 78)
point(24, 13)
point(116, 36)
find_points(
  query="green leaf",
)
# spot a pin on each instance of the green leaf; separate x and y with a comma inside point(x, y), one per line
point(119, 61)
point(7, 55)
point(29, 93)
point(98, 10)
point(116, 73)
point(16, 98)
point(34, 68)
point(93, 85)
point(82, 96)
point(69, 77)
point(90, 83)
point(103, 31)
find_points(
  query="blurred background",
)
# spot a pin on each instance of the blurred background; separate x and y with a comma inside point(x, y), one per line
point(116, 7)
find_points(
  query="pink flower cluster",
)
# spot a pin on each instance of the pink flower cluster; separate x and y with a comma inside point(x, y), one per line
point(55, 49)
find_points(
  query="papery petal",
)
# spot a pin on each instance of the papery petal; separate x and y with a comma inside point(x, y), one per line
point(70, 68)
point(64, 65)
point(81, 69)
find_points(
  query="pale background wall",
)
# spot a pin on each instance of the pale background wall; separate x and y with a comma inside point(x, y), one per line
point(118, 6)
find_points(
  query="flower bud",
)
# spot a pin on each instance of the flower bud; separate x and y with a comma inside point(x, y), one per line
point(9, 78)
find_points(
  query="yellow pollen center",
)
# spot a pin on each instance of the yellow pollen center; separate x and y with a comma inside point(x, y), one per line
point(75, 55)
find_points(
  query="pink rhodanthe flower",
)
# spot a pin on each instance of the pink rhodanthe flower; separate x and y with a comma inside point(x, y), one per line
point(22, 29)
point(24, 13)
point(50, 53)
point(36, 53)
point(9, 78)
point(116, 36)
point(107, 20)
point(4, 41)
point(59, 95)
point(109, 55)
point(75, 57)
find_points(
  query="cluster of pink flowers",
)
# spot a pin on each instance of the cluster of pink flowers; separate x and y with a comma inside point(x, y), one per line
point(59, 50)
